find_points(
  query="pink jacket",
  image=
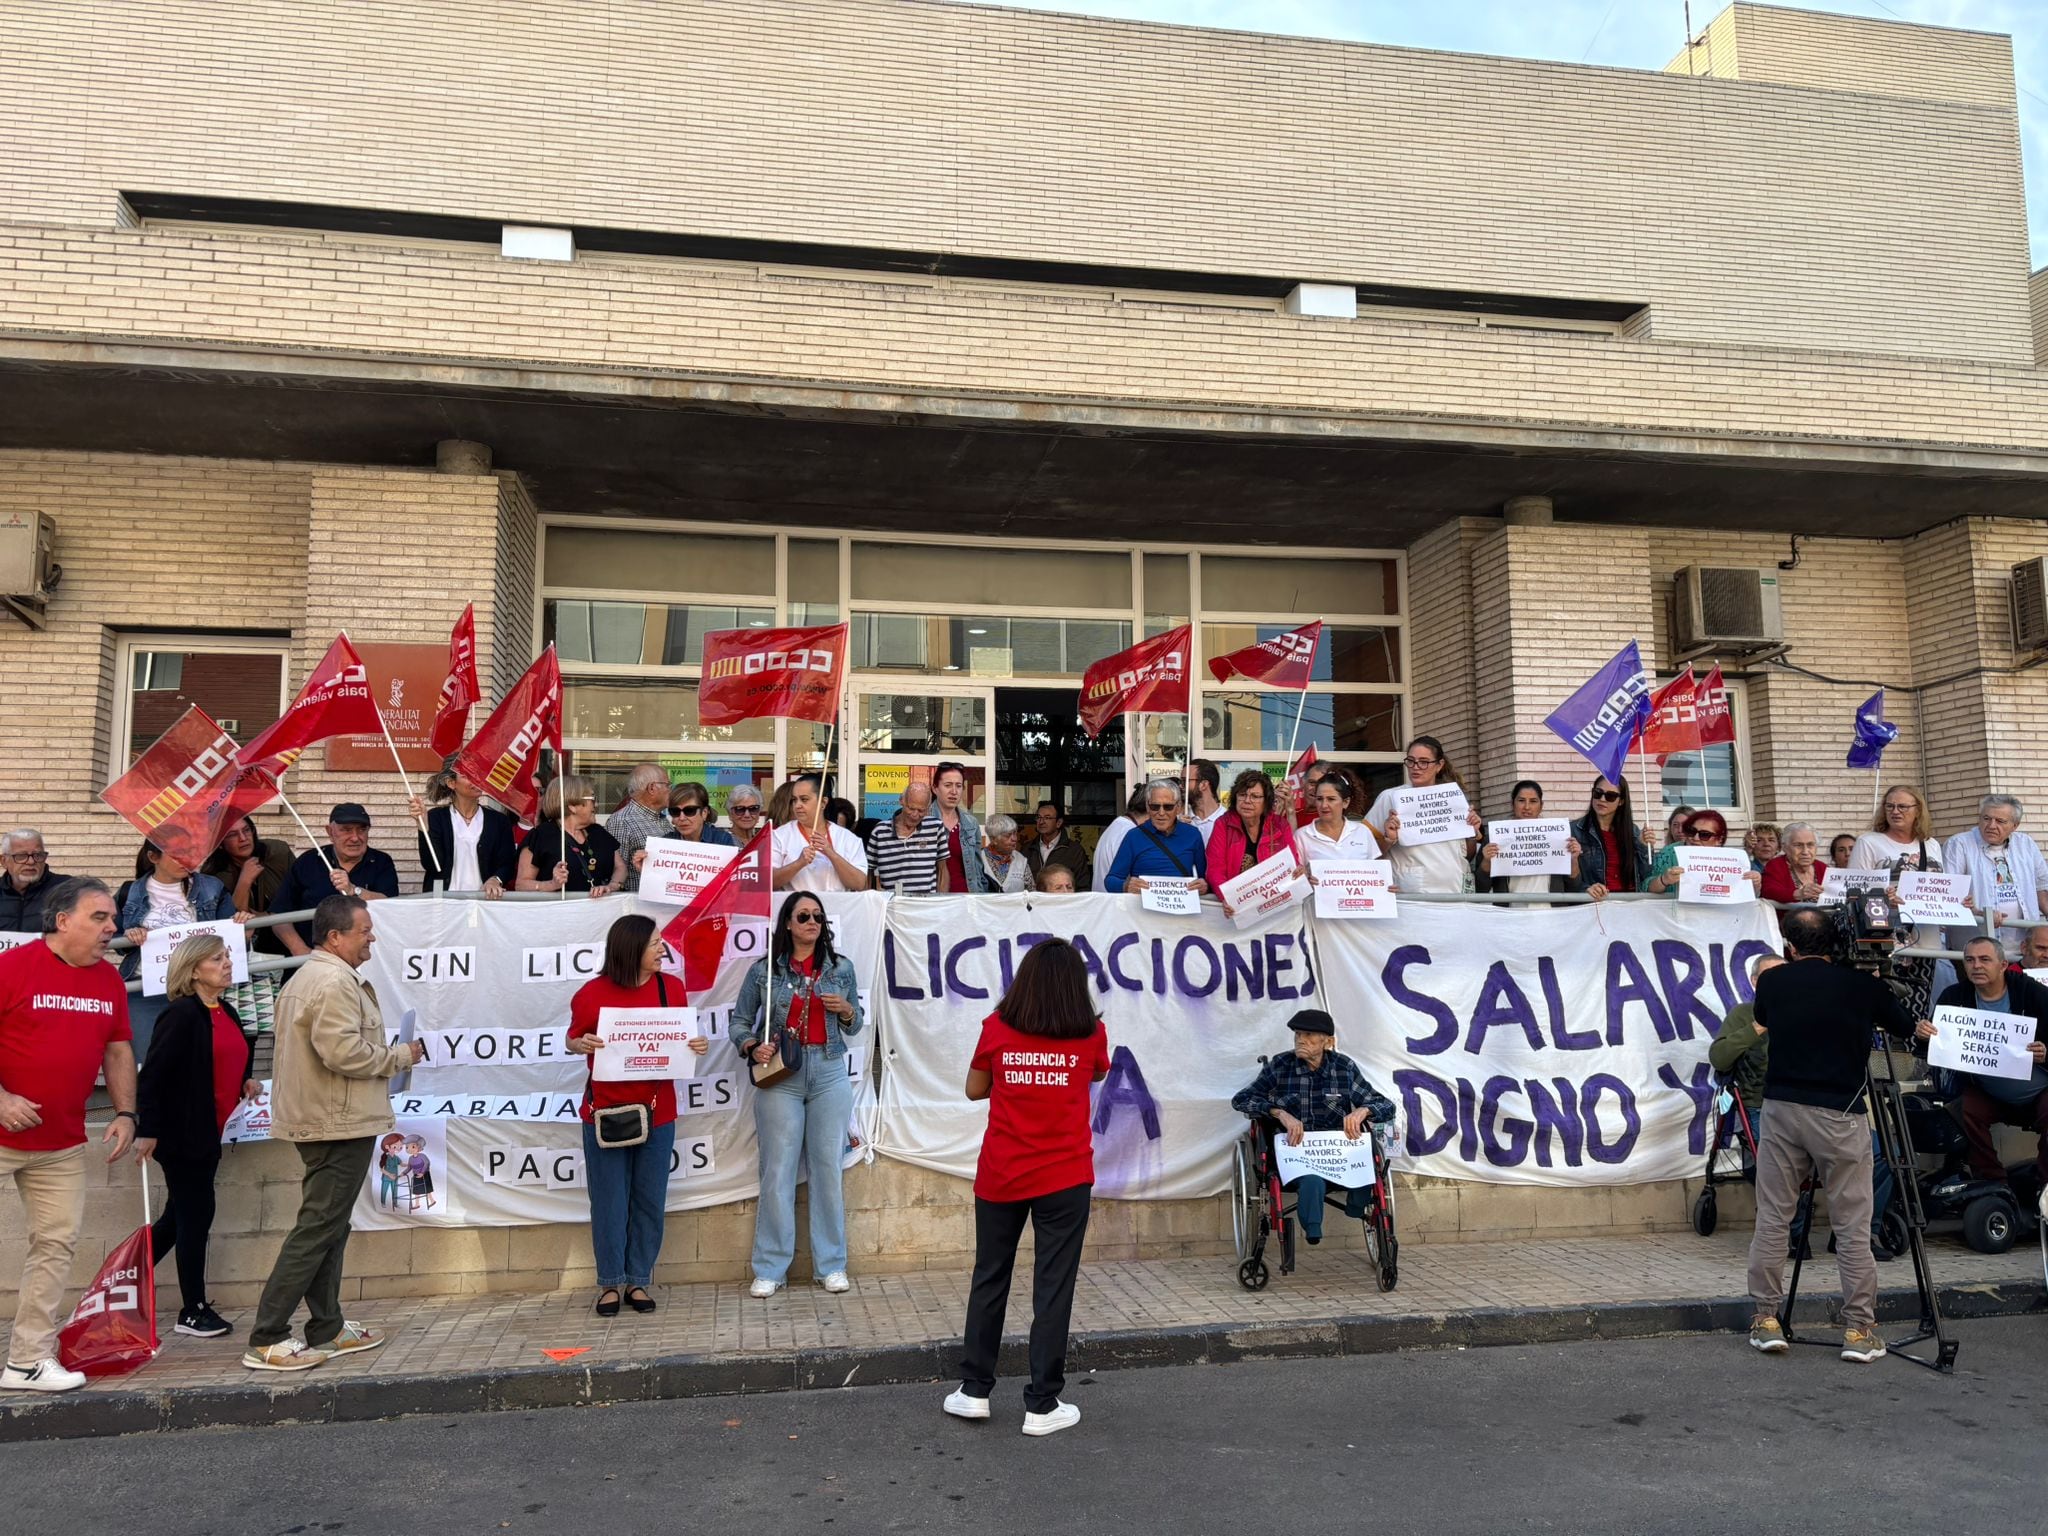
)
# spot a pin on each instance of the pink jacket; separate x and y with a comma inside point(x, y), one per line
point(1227, 840)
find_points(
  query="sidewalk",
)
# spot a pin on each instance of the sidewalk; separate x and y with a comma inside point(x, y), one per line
point(462, 1354)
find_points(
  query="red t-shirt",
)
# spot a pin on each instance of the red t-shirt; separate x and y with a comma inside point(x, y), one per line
point(956, 861)
point(599, 993)
point(230, 1052)
point(1038, 1139)
point(810, 1028)
point(56, 1021)
point(1620, 877)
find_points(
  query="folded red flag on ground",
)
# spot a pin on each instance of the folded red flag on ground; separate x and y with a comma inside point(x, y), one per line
point(1710, 708)
point(1673, 722)
point(113, 1327)
point(503, 755)
point(1285, 660)
point(1150, 677)
point(335, 701)
point(752, 674)
point(461, 690)
point(188, 788)
point(726, 923)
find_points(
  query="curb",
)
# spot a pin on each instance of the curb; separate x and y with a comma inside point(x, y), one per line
point(344, 1399)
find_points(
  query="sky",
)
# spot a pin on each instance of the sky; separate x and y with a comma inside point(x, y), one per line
point(1631, 34)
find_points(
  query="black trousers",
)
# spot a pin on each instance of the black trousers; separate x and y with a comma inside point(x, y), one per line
point(187, 1221)
point(1059, 1221)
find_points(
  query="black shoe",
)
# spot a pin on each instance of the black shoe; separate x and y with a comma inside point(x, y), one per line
point(639, 1300)
point(1879, 1252)
point(1312, 1238)
point(606, 1308)
point(202, 1322)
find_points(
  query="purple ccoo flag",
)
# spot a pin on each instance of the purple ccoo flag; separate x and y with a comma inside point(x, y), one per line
point(1873, 733)
point(1601, 719)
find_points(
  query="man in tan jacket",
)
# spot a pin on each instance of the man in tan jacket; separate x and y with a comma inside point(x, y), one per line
point(331, 1095)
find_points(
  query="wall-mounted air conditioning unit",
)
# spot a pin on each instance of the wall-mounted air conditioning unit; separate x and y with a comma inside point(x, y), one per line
point(28, 567)
point(2030, 605)
point(1725, 608)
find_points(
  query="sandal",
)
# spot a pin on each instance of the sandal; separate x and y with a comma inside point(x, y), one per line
point(607, 1308)
point(639, 1300)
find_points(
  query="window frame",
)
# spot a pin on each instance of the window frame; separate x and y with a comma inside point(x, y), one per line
point(120, 754)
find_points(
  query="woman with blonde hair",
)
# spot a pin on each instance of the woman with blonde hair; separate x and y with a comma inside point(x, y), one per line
point(578, 854)
point(198, 1069)
point(1901, 835)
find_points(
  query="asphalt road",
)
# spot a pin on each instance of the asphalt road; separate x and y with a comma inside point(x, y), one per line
point(1695, 1435)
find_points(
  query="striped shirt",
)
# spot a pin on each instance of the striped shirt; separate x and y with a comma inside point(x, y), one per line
point(907, 864)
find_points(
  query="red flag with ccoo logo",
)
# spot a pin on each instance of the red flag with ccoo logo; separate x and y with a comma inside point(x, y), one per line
point(183, 792)
point(113, 1327)
point(461, 690)
point(751, 674)
point(334, 701)
point(727, 921)
point(1149, 678)
point(503, 756)
point(1285, 660)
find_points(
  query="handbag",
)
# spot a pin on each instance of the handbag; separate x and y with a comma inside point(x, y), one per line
point(788, 1059)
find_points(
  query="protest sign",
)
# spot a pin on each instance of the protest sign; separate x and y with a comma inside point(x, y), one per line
point(1565, 1046)
point(1532, 845)
point(2040, 976)
point(1980, 1041)
point(1355, 888)
point(644, 1045)
point(676, 869)
point(1266, 887)
point(250, 1119)
point(1930, 897)
point(1170, 897)
point(1714, 876)
point(16, 940)
point(1329, 1155)
point(158, 944)
point(1436, 814)
point(1838, 885)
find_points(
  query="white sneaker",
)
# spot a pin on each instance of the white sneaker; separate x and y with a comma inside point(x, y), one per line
point(961, 1406)
point(285, 1355)
point(43, 1376)
point(837, 1283)
point(1063, 1416)
point(761, 1290)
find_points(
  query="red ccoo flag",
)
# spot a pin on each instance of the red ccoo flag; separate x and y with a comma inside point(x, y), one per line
point(461, 690)
point(1710, 707)
point(1150, 677)
point(752, 673)
point(1285, 660)
point(1304, 807)
point(113, 1327)
point(504, 754)
point(183, 793)
point(1673, 722)
point(727, 921)
point(334, 701)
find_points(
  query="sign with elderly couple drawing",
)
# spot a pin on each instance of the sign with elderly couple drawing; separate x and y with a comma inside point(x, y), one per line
point(1565, 1047)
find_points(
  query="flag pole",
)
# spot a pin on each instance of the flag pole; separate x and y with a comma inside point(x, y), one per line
point(1300, 704)
point(311, 840)
point(399, 763)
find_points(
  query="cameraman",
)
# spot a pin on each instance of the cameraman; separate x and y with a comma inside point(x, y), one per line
point(1819, 1017)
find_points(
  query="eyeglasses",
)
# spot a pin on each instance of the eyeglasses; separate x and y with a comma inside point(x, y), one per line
point(29, 855)
point(1606, 794)
point(687, 810)
point(807, 917)
point(1419, 762)
point(1161, 805)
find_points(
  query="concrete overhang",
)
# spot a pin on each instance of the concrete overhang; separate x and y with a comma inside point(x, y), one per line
point(846, 456)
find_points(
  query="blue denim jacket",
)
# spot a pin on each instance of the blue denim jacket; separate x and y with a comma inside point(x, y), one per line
point(210, 902)
point(744, 1031)
point(970, 849)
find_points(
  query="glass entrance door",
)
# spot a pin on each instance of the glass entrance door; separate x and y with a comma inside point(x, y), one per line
point(903, 731)
point(1043, 754)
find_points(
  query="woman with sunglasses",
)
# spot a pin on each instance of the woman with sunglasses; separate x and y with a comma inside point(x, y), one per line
point(1612, 856)
point(1432, 867)
point(689, 815)
point(802, 1119)
point(1703, 829)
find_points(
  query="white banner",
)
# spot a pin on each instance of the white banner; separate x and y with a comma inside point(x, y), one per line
point(1530, 845)
point(158, 944)
point(1190, 1004)
point(1564, 1047)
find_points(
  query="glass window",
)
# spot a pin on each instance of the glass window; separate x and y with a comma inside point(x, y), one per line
point(923, 725)
point(1330, 722)
point(1041, 578)
point(986, 647)
point(1166, 585)
point(644, 709)
point(638, 560)
point(1249, 584)
point(239, 689)
point(640, 634)
point(813, 581)
point(1349, 653)
point(1716, 781)
point(718, 773)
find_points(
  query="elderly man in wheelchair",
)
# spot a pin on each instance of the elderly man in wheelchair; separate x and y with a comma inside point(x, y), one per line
point(1312, 1088)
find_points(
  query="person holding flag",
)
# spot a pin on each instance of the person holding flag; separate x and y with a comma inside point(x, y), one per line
point(474, 847)
point(344, 865)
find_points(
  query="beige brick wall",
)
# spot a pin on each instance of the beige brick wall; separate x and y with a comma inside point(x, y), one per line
point(2037, 290)
point(1870, 54)
point(726, 321)
point(1741, 211)
point(1443, 635)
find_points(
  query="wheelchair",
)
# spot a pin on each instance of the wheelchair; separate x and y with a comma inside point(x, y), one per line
point(1260, 1208)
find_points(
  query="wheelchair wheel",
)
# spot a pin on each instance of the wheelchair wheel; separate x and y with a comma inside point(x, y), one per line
point(1706, 1212)
point(1381, 1247)
point(1247, 1199)
point(1251, 1274)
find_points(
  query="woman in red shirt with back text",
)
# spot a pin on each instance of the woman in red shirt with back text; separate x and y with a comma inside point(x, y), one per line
point(628, 1182)
point(1040, 1051)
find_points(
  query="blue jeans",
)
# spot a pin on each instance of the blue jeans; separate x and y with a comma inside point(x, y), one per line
point(1309, 1191)
point(628, 1192)
point(802, 1120)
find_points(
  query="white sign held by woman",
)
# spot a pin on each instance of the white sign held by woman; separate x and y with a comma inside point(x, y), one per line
point(1265, 888)
point(1715, 877)
point(1927, 896)
point(1838, 885)
point(1530, 845)
point(676, 870)
point(157, 947)
point(643, 1045)
point(1355, 888)
point(1977, 1040)
point(1329, 1155)
point(1437, 813)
